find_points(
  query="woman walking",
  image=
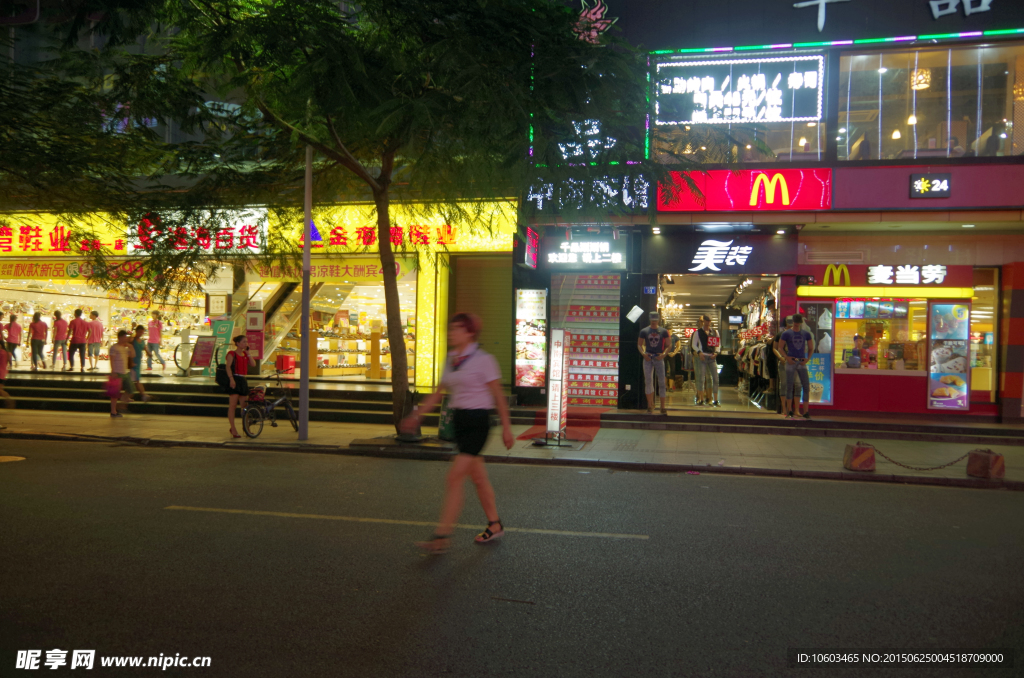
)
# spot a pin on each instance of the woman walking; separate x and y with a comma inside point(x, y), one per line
point(237, 364)
point(473, 379)
point(60, 341)
point(156, 332)
point(139, 345)
point(13, 340)
point(37, 331)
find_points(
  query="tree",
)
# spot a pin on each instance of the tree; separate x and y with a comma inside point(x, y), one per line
point(432, 101)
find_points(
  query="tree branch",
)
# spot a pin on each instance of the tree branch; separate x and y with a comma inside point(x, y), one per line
point(364, 175)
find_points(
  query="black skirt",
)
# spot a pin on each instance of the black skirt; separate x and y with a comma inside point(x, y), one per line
point(241, 386)
point(471, 430)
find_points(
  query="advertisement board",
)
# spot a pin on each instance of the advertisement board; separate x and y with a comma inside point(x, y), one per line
point(222, 338)
point(949, 375)
point(558, 391)
point(202, 352)
point(531, 337)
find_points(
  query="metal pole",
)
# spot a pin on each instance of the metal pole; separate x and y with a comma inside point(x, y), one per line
point(306, 352)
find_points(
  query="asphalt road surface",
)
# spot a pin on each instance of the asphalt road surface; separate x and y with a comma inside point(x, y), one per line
point(612, 573)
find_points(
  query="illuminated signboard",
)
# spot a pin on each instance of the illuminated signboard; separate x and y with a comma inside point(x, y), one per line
point(532, 247)
point(906, 275)
point(531, 337)
point(780, 89)
point(558, 405)
point(751, 190)
point(930, 185)
point(582, 255)
point(713, 253)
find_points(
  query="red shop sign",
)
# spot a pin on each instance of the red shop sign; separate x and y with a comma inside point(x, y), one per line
point(751, 190)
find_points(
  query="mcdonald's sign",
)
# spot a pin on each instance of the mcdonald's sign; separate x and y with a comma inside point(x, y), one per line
point(750, 190)
point(836, 273)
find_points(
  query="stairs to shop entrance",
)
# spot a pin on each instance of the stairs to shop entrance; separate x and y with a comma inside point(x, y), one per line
point(197, 397)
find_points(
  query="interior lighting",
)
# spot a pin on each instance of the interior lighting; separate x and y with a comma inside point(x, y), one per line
point(781, 232)
point(883, 69)
point(802, 142)
point(748, 147)
point(968, 225)
point(842, 130)
point(822, 291)
point(921, 78)
point(912, 120)
point(896, 134)
point(812, 124)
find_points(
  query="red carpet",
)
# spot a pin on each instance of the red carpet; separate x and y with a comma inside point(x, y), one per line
point(582, 424)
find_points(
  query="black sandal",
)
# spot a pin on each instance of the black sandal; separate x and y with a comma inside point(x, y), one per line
point(437, 544)
point(490, 535)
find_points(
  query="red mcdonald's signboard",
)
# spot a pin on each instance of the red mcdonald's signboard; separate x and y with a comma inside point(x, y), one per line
point(752, 190)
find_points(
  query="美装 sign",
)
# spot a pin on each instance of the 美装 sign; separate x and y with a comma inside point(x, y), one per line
point(750, 190)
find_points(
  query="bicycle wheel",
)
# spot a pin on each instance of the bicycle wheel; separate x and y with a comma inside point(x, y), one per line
point(252, 421)
point(292, 417)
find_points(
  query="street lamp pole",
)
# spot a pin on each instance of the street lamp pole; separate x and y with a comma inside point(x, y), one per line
point(306, 354)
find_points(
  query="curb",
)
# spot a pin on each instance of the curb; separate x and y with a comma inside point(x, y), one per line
point(418, 453)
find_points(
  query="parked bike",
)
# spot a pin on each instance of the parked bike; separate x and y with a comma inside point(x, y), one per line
point(261, 408)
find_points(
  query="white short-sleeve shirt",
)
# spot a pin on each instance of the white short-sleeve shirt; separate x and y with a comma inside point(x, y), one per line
point(467, 386)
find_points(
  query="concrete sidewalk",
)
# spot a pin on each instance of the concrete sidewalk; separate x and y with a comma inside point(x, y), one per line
point(651, 450)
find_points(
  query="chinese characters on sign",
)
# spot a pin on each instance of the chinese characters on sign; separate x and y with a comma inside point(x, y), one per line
point(930, 185)
point(586, 254)
point(30, 659)
point(821, 9)
point(714, 252)
point(337, 270)
point(558, 393)
point(532, 247)
point(941, 8)
point(906, 275)
point(783, 89)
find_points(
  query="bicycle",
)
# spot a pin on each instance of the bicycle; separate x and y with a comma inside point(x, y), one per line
point(260, 409)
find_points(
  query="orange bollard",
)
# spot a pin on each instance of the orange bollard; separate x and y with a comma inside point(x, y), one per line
point(986, 464)
point(859, 457)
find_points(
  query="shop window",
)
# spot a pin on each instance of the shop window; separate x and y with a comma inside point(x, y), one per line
point(983, 335)
point(882, 334)
point(729, 109)
point(931, 103)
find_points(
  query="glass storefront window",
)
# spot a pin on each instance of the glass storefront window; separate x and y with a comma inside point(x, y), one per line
point(983, 335)
point(931, 103)
point(881, 334)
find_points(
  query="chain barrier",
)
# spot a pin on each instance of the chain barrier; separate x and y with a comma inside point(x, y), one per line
point(920, 468)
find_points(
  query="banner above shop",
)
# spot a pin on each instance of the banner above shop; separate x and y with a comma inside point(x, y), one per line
point(727, 254)
point(598, 254)
point(658, 25)
point(751, 190)
point(354, 270)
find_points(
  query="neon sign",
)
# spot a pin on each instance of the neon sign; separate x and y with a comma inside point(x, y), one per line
point(767, 190)
point(777, 89)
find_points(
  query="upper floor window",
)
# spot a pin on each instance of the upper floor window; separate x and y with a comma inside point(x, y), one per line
point(752, 108)
point(931, 103)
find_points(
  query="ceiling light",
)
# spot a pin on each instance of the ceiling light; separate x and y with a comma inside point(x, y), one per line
point(703, 148)
point(812, 124)
point(780, 232)
point(748, 147)
point(921, 78)
point(842, 130)
point(896, 134)
point(968, 225)
point(912, 120)
point(883, 69)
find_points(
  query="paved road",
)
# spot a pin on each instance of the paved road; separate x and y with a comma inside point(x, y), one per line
point(709, 576)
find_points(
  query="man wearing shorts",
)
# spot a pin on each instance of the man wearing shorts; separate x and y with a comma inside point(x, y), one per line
point(122, 359)
point(654, 343)
point(798, 345)
point(79, 329)
point(95, 340)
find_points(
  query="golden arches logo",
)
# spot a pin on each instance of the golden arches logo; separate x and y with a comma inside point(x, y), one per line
point(770, 185)
point(838, 272)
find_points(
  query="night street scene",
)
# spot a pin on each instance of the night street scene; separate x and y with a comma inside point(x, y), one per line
point(511, 338)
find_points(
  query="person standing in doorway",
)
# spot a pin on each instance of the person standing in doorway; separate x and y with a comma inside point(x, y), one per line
point(4, 359)
point(156, 331)
point(798, 344)
point(654, 342)
point(122, 357)
point(237, 363)
point(139, 346)
point(60, 341)
point(670, 358)
point(79, 329)
point(13, 339)
point(706, 344)
point(473, 381)
point(95, 340)
point(781, 371)
point(37, 332)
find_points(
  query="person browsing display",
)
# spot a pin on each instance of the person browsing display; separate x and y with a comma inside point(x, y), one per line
point(706, 343)
point(654, 344)
point(797, 346)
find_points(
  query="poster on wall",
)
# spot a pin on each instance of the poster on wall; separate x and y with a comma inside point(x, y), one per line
point(531, 337)
point(818, 320)
point(949, 375)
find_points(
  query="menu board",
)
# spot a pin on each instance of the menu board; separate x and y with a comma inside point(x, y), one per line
point(949, 376)
point(531, 337)
point(818, 319)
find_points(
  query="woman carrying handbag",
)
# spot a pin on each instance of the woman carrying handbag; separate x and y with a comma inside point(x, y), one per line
point(237, 365)
point(473, 380)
